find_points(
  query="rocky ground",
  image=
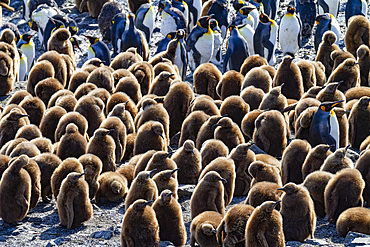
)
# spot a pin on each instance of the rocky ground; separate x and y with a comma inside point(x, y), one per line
point(41, 226)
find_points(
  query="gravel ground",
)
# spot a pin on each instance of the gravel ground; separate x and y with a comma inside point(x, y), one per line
point(41, 226)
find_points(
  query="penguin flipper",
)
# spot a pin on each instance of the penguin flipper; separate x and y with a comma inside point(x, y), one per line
point(270, 47)
point(145, 29)
point(323, 5)
point(184, 65)
point(328, 139)
point(226, 60)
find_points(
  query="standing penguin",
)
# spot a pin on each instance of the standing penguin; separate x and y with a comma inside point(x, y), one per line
point(23, 66)
point(324, 127)
point(120, 24)
point(237, 50)
point(73, 202)
point(290, 32)
point(183, 7)
point(134, 38)
point(217, 51)
point(140, 226)
point(326, 22)
point(199, 44)
point(306, 10)
point(220, 12)
point(298, 212)
point(329, 6)
point(144, 20)
point(27, 46)
point(265, 38)
point(99, 50)
point(181, 58)
point(172, 18)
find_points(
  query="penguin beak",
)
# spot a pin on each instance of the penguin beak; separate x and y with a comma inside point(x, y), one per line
point(152, 171)
point(214, 231)
point(169, 154)
point(79, 176)
point(193, 152)
point(174, 170)
point(161, 135)
point(338, 83)
point(281, 189)
point(215, 125)
point(210, 16)
point(108, 131)
point(23, 115)
point(275, 204)
point(336, 103)
point(226, 115)
point(126, 102)
point(345, 150)
point(223, 180)
point(148, 202)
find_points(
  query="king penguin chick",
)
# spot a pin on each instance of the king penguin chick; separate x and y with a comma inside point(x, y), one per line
point(73, 202)
point(292, 89)
point(60, 173)
point(160, 161)
point(265, 226)
point(212, 149)
point(363, 59)
point(7, 76)
point(140, 218)
point(150, 136)
point(298, 212)
point(243, 157)
point(337, 161)
point(142, 187)
point(60, 42)
point(92, 167)
point(112, 187)
point(205, 78)
point(324, 128)
point(272, 142)
point(357, 33)
point(330, 93)
point(325, 49)
point(188, 160)
point(166, 180)
point(171, 223)
point(315, 183)
point(209, 186)
point(326, 22)
point(72, 143)
point(362, 166)
point(314, 159)
point(358, 121)
point(15, 191)
point(233, 225)
point(348, 72)
point(229, 133)
point(355, 220)
point(203, 229)
point(292, 161)
point(103, 146)
point(9, 125)
point(290, 32)
point(343, 191)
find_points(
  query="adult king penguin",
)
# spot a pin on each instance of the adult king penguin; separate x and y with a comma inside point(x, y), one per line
point(328, 6)
point(355, 7)
point(290, 32)
point(27, 46)
point(144, 20)
point(217, 38)
point(264, 39)
point(237, 50)
point(98, 49)
point(195, 8)
point(220, 12)
point(325, 23)
point(324, 126)
point(172, 18)
point(199, 44)
point(306, 10)
point(181, 58)
point(119, 26)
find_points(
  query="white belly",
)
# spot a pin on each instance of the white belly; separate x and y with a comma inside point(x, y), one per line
point(178, 61)
point(272, 39)
point(216, 47)
point(29, 52)
point(168, 24)
point(90, 53)
point(288, 34)
point(248, 32)
point(148, 21)
point(334, 130)
point(254, 13)
point(336, 29)
point(205, 46)
point(23, 68)
point(364, 7)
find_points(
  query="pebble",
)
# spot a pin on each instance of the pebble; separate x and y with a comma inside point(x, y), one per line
point(102, 234)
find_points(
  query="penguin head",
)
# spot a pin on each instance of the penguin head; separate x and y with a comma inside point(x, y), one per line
point(172, 35)
point(332, 87)
point(364, 101)
point(288, 59)
point(189, 146)
point(328, 106)
point(73, 177)
point(258, 1)
point(15, 114)
point(166, 195)
point(291, 9)
point(350, 62)
point(93, 40)
point(264, 18)
point(290, 188)
point(180, 34)
point(163, 4)
point(320, 18)
point(27, 37)
point(329, 37)
point(231, 28)
point(340, 153)
point(203, 21)
point(75, 43)
point(73, 29)
point(268, 206)
point(362, 51)
point(157, 128)
point(33, 25)
point(213, 176)
point(208, 229)
point(140, 204)
point(245, 10)
point(213, 24)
